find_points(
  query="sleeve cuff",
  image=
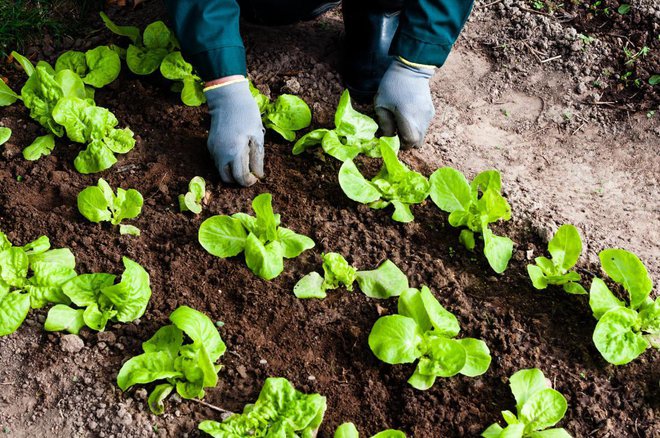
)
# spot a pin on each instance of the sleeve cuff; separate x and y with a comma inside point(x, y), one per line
point(220, 62)
point(419, 53)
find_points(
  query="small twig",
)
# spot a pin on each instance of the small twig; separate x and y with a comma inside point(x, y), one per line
point(6, 383)
point(210, 406)
point(551, 59)
point(487, 5)
point(533, 51)
point(578, 128)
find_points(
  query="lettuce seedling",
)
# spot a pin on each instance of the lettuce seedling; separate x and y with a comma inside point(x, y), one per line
point(175, 68)
point(336, 270)
point(354, 134)
point(44, 89)
point(61, 103)
point(5, 134)
point(95, 300)
point(384, 282)
point(266, 244)
point(97, 67)
point(395, 184)
point(474, 206)
point(285, 116)
point(31, 276)
point(425, 330)
point(100, 204)
point(624, 330)
point(192, 200)
point(86, 123)
point(189, 364)
point(538, 408)
point(348, 430)
point(156, 49)
point(565, 248)
point(280, 411)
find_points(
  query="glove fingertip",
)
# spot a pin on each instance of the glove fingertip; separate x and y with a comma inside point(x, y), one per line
point(386, 121)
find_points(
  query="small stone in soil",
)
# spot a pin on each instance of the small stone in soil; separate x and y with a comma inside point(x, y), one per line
point(71, 343)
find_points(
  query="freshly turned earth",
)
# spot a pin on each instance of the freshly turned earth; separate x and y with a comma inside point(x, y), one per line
point(562, 160)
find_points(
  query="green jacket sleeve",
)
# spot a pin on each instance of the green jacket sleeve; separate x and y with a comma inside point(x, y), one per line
point(428, 29)
point(208, 31)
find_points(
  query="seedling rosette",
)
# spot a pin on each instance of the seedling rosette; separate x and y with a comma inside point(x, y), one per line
point(280, 411)
point(100, 204)
point(538, 407)
point(31, 276)
point(424, 331)
point(266, 244)
point(565, 248)
point(94, 299)
point(285, 116)
point(394, 185)
point(192, 200)
point(475, 206)
point(157, 49)
point(354, 134)
point(97, 67)
point(624, 330)
point(384, 282)
point(60, 101)
point(185, 364)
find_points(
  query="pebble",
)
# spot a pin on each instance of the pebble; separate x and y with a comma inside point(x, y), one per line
point(71, 343)
point(108, 337)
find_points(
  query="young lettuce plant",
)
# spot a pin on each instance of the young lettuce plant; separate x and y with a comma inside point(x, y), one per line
point(192, 200)
point(97, 67)
point(395, 184)
point(475, 205)
point(538, 406)
point(565, 248)
point(86, 123)
point(348, 430)
point(99, 204)
point(61, 103)
point(175, 68)
point(31, 276)
point(354, 134)
point(5, 134)
point(285, 116)
point(384, 282)
point(156, 49)
point(98, 300)
point(187, 365)
point(266, 244)
point(624, 330)
point(425, 330)
point(280, 411)
point(337, 271)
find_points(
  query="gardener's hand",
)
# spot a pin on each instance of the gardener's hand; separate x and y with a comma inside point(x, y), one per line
point(403, 102)
point(236, 136)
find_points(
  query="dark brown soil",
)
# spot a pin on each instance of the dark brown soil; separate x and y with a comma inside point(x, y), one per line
point(321, 346)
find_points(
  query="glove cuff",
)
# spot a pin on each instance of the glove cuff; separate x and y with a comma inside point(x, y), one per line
point(407, 68)
point(224, 84)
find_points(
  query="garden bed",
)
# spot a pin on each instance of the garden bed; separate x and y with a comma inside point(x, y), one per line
point(320, 346)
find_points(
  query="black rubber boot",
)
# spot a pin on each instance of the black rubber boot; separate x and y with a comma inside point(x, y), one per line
point(283, 12)
point(370, 26)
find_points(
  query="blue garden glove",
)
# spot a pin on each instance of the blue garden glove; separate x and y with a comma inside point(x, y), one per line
point(403, 102)
point(236, 136)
